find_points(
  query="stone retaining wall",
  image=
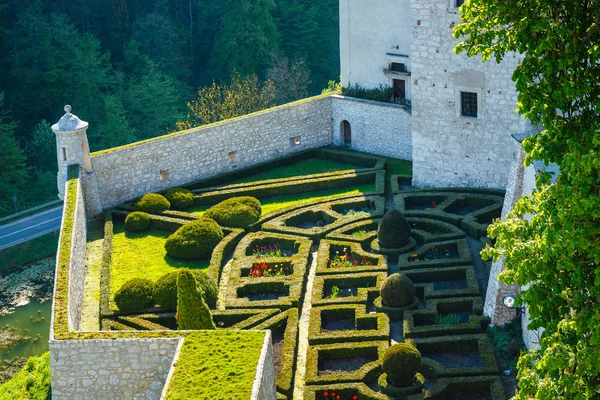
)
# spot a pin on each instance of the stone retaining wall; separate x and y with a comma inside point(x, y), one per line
point(77, 266)
point(110, 369)
point(378, 128)
point(132, 171)
point(264, 381)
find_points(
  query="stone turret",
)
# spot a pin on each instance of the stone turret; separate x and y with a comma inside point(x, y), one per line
point(71, 147)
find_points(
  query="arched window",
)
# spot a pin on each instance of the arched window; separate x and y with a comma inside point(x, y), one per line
point(346, 133)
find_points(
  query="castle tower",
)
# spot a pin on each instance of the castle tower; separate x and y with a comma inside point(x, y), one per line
point(71, 147)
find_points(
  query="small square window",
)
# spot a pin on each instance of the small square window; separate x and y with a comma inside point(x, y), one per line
point(232, 157)
point(296, 141)
point(164, 175)
point(398, 67)
point(468, 104)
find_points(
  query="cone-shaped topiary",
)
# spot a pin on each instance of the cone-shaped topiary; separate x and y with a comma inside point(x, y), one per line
point(135, 295)
point(237, 212)
point(194, 240)
point(192, 311)
point(152, 203)
point(398, 291)
point(165, 289)
point(137, 221)
point(401, 363)
point(180, 198)
point(394, 230)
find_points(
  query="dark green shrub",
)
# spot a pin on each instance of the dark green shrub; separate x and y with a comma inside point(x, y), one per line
point(398, 291)
point(137, 221)
point(180, 198)
point(135, 295)
point(194, 240)
point(382, 93)
point(237, 212)
point(401, 363)
point(165, 289)
point(152, 203)
point(192, 311)
point(394, 230)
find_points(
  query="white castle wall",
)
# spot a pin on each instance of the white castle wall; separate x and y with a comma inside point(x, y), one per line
point(378, 128)
point(449, 150)
point(129, 172)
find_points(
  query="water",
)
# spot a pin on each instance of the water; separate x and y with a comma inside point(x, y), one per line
point(30, 320)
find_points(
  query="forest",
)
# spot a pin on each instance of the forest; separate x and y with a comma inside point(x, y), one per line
point(136, 69)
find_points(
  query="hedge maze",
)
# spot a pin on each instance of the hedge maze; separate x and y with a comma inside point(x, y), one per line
point(330, 245)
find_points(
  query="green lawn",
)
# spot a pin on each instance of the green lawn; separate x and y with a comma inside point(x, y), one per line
point(28, 252)
point(31, 383)
point(216, 365)
point(143, 255)
point(279, 202)
point(305, 167)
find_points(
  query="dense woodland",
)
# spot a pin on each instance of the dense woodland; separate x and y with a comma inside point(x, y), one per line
point(135, 68)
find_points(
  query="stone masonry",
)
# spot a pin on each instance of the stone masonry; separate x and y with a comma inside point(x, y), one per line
point(264, 381)
point(77, 267)
point(450, 150)
point(379, 128)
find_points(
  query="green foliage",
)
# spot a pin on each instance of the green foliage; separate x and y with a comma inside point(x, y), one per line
point(398, 291)
point(508, 339)
point(451, 319)
point(115, 129)
point(31, 383)
point(291, 79)
point(137, 221)
point(192, 311)
point(220, 102)
point(41, 149)
point(135, 295)
point(382, 93)
point(401, 363)
point(237, 212)
point(194, 240)
point(333, 87)
point(28, 252)
point(555, 252)
point(165, 289)
point(152, 203)
point(180, 198)
point(394, 230)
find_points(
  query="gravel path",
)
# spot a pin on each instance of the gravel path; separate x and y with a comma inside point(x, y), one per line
point(303, 331)
point(223, 286)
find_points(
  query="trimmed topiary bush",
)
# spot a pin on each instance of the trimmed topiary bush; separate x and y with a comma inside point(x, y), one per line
point(394, 230)
point(180, 198)
point(192, 311)
point(137, 221)
point(135, 295)
point(194, 240)
point(401, 363)
point(165, 289)
point(152, 203)
point(237, 212)
point(398, 291)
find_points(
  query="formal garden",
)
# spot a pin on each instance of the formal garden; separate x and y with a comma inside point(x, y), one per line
point(372, 289)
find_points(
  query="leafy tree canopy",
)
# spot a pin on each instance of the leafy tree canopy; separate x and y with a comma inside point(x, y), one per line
point(555, 251)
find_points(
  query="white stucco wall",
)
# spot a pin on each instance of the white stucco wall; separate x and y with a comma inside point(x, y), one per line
point(368, 30)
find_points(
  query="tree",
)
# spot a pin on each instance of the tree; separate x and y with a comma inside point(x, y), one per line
point(217, 103)
point(192, 311)
point(556, 251)
point(41, 148)
point(114, 130)
point(12, 159)
point(291, 79)
point(246, 36)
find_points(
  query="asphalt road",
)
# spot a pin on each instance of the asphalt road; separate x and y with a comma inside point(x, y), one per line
point(30, 227)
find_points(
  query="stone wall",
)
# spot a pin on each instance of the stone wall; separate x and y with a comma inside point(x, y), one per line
point(77, 266)
point(450, 150)
point(110, 369)
point(264, 381)
point(378, 128)
point(131, 171)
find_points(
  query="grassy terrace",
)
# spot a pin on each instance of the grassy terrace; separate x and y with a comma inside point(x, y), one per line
point(216, 365)
point(143, 255)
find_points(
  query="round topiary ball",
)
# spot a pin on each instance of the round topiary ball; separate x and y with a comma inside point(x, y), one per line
point(237, 212)
point(180, 198)
point(394, 230)
point(401, 363)
point(165, 289)
point(194, 240)
point(137, 221)
point(135, 295)
point(398, 291)
point(152, 203)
